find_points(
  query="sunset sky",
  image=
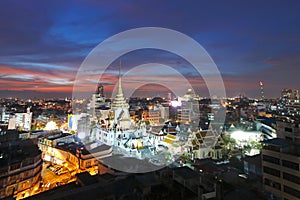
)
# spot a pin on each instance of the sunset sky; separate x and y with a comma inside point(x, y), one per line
point(43, 43)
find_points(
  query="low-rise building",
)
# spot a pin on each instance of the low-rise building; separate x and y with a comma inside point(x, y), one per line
point(61, 149)
point(54, 139)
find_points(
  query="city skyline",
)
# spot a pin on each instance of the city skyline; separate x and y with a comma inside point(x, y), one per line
point(44, 44)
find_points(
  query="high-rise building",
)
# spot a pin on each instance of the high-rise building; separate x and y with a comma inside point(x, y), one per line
point(290, 94)
point(21, 121)
point(20, 168)
point(189, 111)
point(4, 115)
point(288, 131)
point(97, 102)
point(289, 102)
point(281, 161)
point(158, 114)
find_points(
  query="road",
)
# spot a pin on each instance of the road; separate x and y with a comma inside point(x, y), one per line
point(51, 180)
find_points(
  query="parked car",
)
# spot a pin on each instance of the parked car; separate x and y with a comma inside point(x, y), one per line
point(61, 171)
point(54, 168)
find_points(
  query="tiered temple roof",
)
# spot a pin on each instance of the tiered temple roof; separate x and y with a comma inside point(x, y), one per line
point(119, 101)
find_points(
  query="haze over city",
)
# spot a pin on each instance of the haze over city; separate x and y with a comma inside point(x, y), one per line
point(44, 43)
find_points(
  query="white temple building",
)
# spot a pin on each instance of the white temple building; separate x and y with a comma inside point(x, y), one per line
point(144, 142)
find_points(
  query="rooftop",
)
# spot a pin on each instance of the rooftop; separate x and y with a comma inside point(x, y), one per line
point(186, 173)
point(256, 159)
point(147, 179)
point(277, 142)
point(283, 146)
point(102, 147)
point(57, 135)
point(85, 178)
point(17, 151)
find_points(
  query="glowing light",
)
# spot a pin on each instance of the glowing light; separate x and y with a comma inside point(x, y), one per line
point(139, 144)
point(245, 136)
point(51, 126)
point(81, 135)
point(175, 103)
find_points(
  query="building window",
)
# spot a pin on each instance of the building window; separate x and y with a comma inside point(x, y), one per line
point(267, 182)
point(27, 174)
point(290, 165)
point(88, 164)
point(273, 184)
point(3, 181)
point(28, 161)
point(272, 148)
point(271, 171)
point(291, 178)
point(13, 179)
point(24, 185)
point(10, 190)
point(15, 166)
point(271, 159)
point(291, 191)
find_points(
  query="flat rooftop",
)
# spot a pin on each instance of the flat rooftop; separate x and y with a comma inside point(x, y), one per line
point(72, 147)
point(277, 142)
point(285, 146)
point(57, 135)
